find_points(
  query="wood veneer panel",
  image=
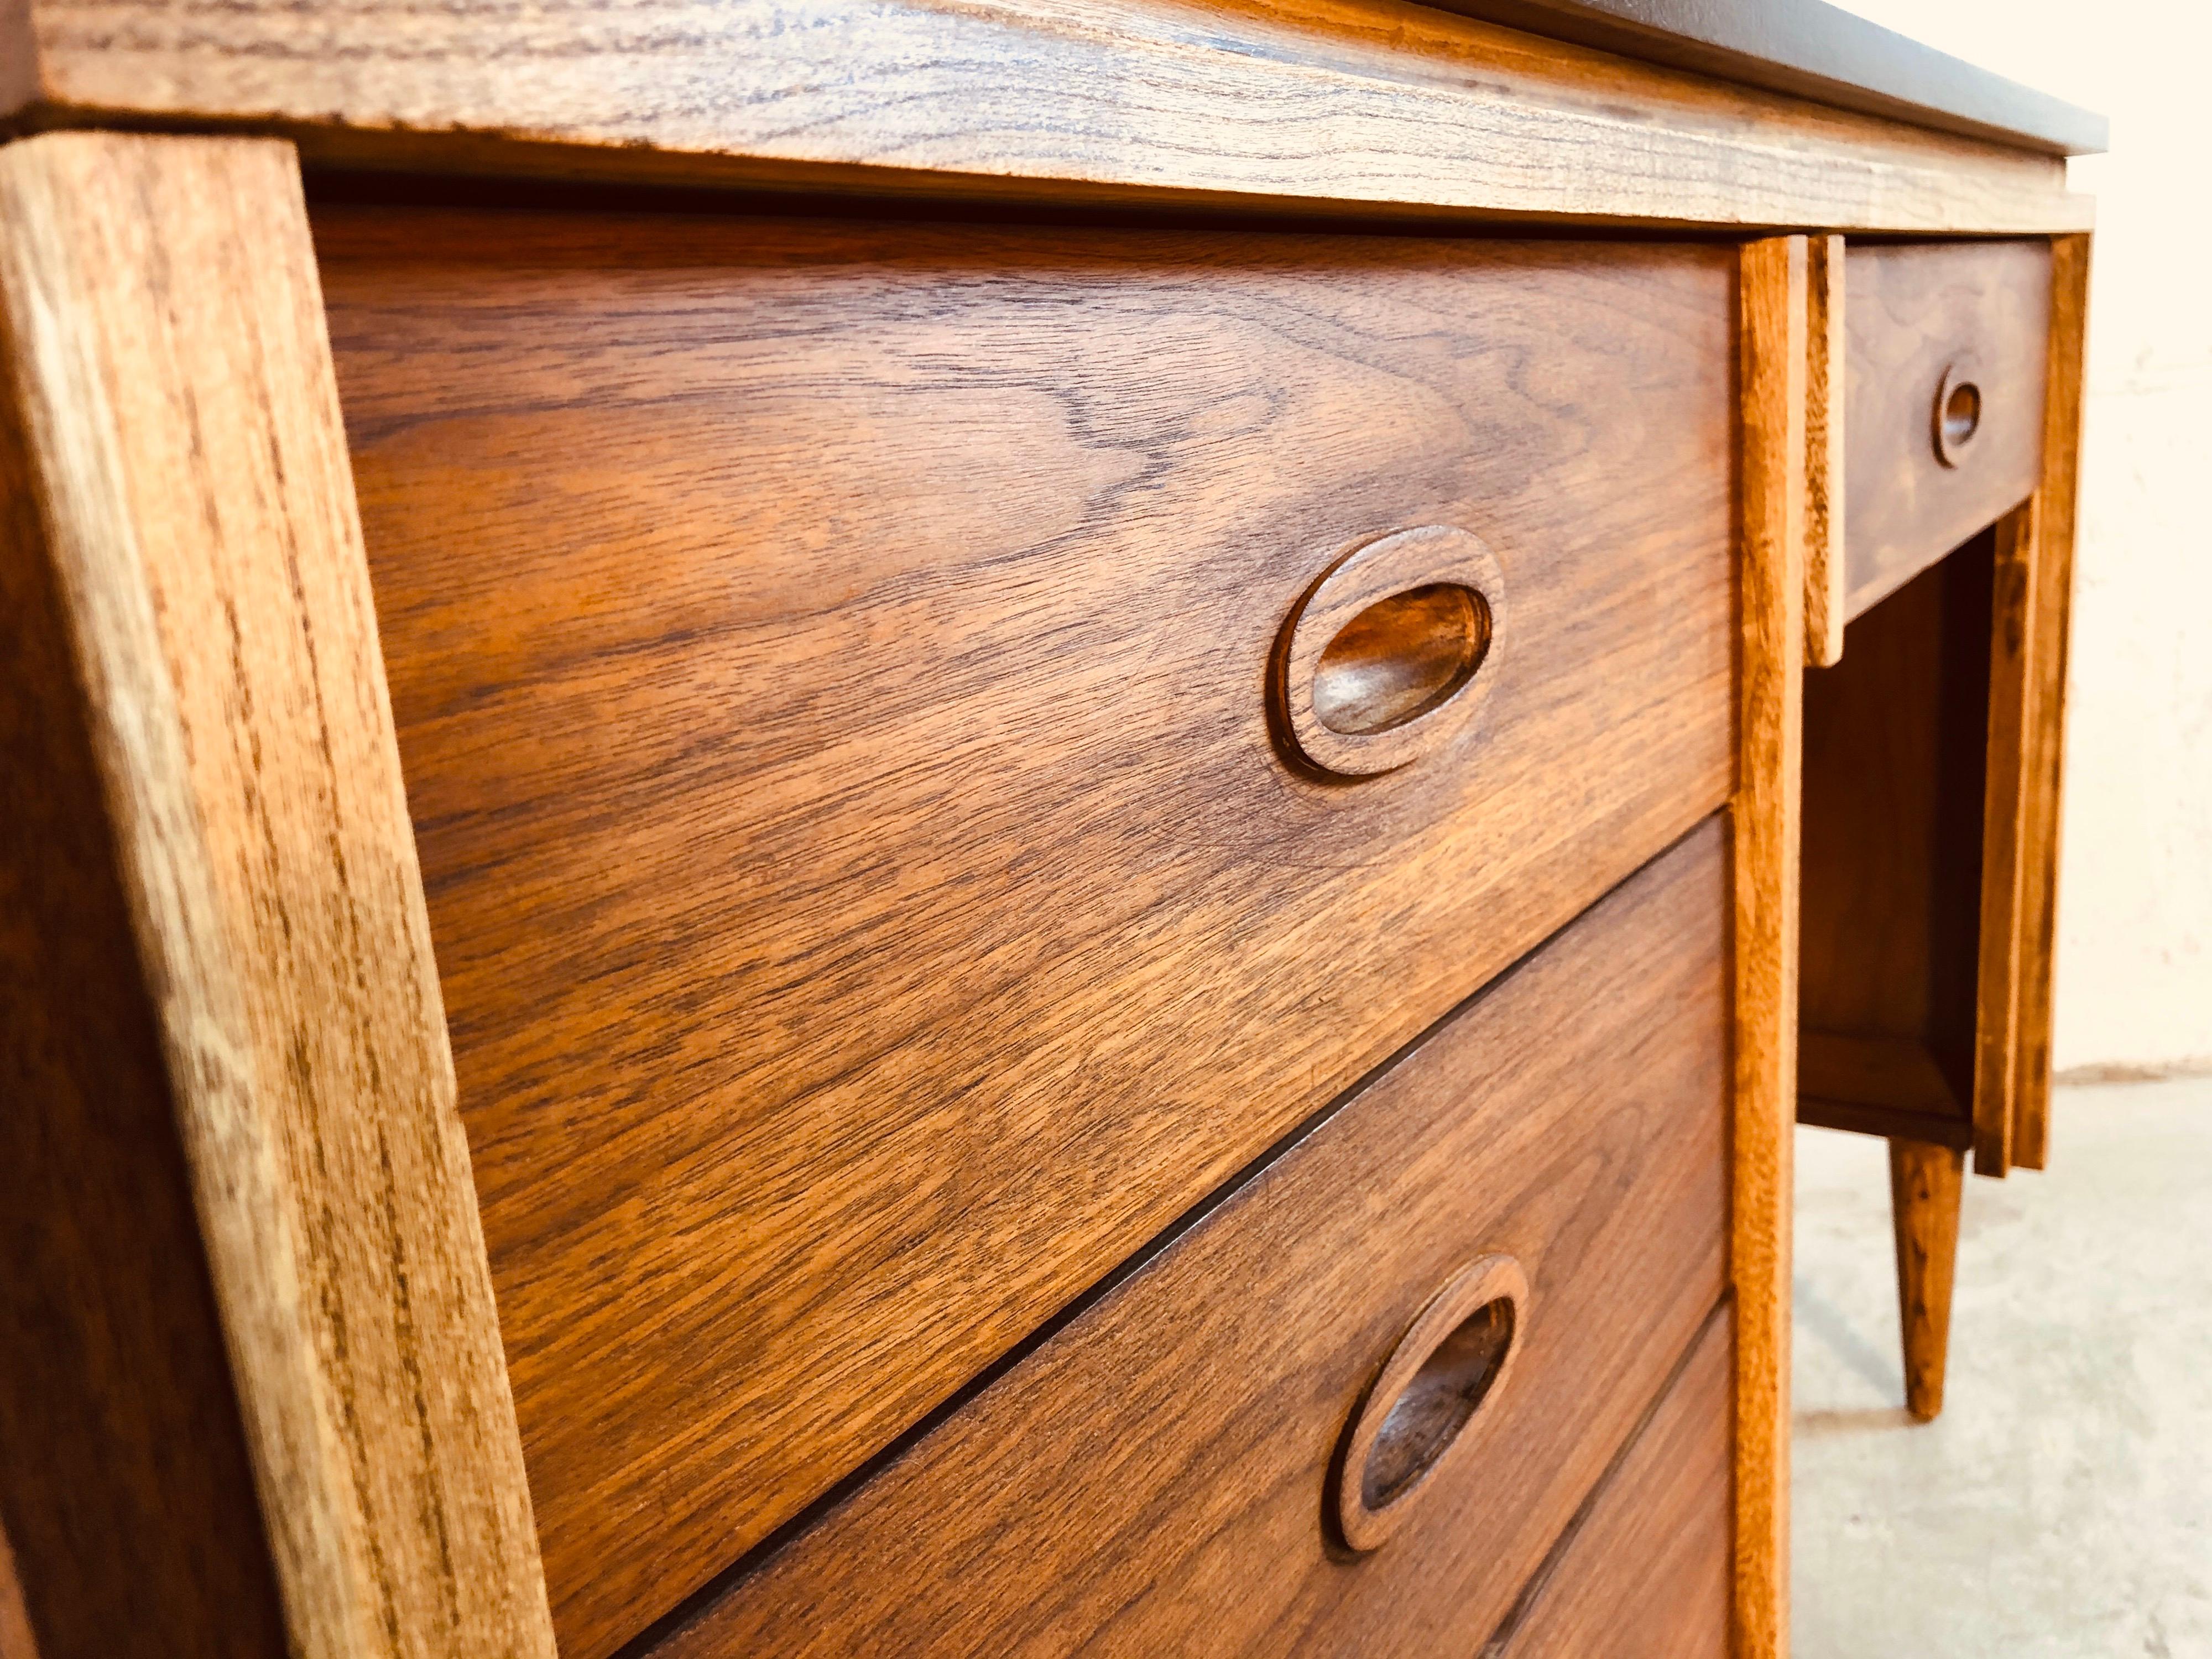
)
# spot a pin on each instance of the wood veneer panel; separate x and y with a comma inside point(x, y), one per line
point(1913, 310)
point(1372, 107)
point(1645, 1572)
point(829, 663)
point(181, 429)
point(1773, 343)
point(1152, 1479)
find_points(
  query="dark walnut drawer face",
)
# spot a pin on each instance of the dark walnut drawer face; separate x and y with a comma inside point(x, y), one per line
point(1157, 1477)
point(1946, 353)
point(1643, 1574)
point(843, 675)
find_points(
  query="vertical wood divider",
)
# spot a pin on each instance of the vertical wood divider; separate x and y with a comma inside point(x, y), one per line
point(2051, 608)
point(2007, 767)
point(1773, 308)
point(1825, 593)
point(172, 372)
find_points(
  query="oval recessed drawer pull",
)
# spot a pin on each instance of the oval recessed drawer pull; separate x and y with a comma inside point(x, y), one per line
point(1382, 661)
point(1452, 1360)
point(1958, 408)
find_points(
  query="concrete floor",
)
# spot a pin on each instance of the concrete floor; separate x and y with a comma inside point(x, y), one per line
point(2062, 1506)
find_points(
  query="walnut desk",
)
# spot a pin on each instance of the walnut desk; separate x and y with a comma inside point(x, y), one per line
point(964, 828)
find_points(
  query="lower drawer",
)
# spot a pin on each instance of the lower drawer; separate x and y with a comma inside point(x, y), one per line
point(1166, 1474)
point(1644, 1573)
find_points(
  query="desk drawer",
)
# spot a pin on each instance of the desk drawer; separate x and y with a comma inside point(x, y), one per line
point(866, 775)
point(1946, 353)
point(1160, 1477)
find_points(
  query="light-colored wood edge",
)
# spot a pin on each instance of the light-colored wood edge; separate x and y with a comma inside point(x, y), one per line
point(1294, 104)
point(2053, 606)
point(169, 359)
point(1770, 774)
point(1826, 575)
point(2006, 768)
point(1924, 1184)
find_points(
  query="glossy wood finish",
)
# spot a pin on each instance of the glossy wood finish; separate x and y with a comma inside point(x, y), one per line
point(1914, 312)
point(172, 384)
point(1644, 1572)
point(117, 1416)
point(1322, 106)
point(1152, 1479)
point(897, 640)
point(2050, 608)
point(1924, 1183)
point(1772, 336)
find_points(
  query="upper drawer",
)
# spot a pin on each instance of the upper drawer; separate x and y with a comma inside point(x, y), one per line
point(833, 668)
point(1947, 348)
point(1162, 1476)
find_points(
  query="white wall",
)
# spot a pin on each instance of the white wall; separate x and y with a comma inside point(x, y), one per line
point(2134, 958)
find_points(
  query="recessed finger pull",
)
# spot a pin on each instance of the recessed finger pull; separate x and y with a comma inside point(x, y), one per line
point(1391, 652)
point(1957, 410)
point(1428, 1402)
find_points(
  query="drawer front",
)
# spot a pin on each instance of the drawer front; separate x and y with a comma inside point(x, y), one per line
point(841, 676)
point(1156, 1478)
point(1946, 353)
point(1644, 1573)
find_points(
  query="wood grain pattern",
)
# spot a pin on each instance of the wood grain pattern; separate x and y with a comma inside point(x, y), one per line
point(1374, 107)
point(1643, 1574)
point(124, 1485)
point(831, 667)
point(183, 429)
point(1896, 742)
point(1151, 1480)
point(2053, 608)
point(2008, 765)
point(1827, 597)
point(1913, 310)
point(1770, 715)
point(1924, 1184)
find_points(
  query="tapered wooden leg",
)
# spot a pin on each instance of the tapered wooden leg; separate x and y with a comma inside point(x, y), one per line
point(1923, 1196)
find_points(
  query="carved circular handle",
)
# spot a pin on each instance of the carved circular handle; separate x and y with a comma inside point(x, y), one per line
point(1420, 1409)
point(1378, 664)
point(1958, 408)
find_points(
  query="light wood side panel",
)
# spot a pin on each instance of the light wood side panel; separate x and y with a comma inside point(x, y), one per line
point(126, 1489)
point(1770, 735)
point(832, 666)
point(189, 465)
point(1645, 1572)
point(1827, 573)
point(2052, 610)
point(1151, 1479)
point(1371, 107)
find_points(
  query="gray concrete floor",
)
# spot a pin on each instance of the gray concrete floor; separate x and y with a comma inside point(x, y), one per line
point(2062, 1506)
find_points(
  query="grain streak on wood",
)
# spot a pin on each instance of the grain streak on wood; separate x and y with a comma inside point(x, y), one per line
point(1770, 743)
point(191, 468)
point(2053, 608)
point(1826, 575)
point(1368, 106)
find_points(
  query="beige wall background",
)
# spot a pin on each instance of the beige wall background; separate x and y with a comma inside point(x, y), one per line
point(2134, 956)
